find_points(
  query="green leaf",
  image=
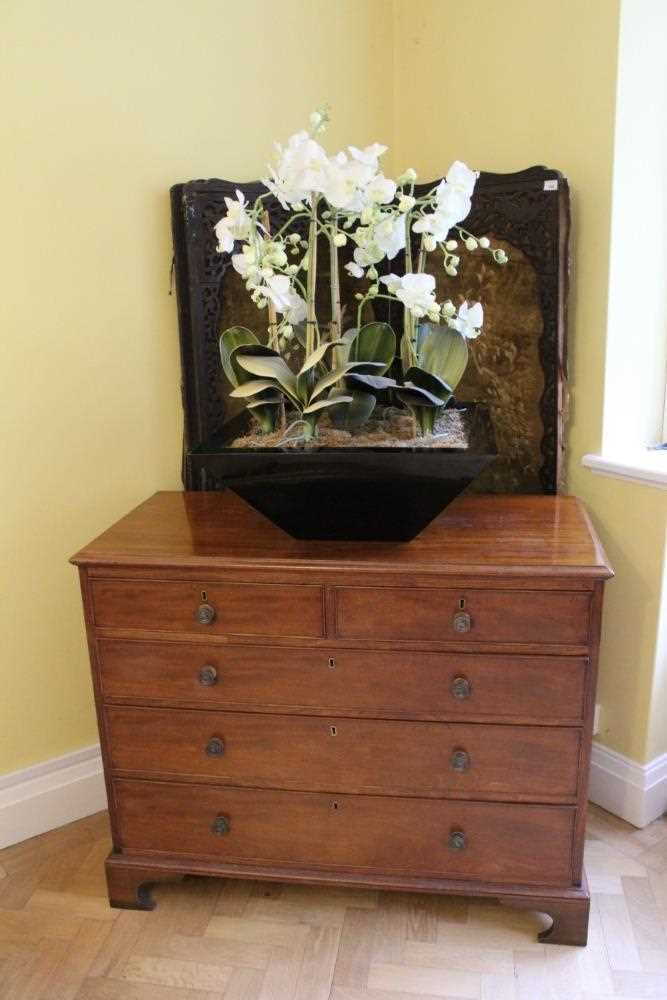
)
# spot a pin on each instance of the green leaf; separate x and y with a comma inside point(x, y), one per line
point(374, 342)
point(271, 366)
point(427, 380)
point(352, 415)
point(366, 367)
point(327, 381)
point(253, 387)
point(247, 350)
point(444, 352)
point(253, 404)
point(229, 340)
point(376, 382)
point(321, 404)
point(318, 355)
point(414, 395)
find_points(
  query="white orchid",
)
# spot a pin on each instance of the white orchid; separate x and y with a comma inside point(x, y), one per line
point(469, 320)
point(452, 202)
point(235, 225)
point(354, 269)
point(300, 169)
point(389, 235)
point(415, 291)
point(380, 190)
point(279, 290)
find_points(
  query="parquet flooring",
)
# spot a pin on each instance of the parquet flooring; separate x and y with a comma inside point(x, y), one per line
point(209, 939)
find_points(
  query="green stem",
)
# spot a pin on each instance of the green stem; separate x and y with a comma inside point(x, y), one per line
point(311, 321)
point(335, 283)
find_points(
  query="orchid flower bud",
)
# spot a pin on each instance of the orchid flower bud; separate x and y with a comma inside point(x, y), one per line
point(340, 239)
point(471, 244)
point(451, 271)
point(500, 256)
point(451, 245)
point(430, 242)
point(372, 273)
point(484, 242)
point(448, 309)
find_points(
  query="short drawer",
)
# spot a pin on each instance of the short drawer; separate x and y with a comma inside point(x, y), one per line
point(347, 755)
point(443, 615)
point(517, 844)
point(326, 682)
point(233, 608)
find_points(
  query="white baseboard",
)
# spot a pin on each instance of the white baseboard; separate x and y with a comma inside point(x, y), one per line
point(45, 796)
point(635, 792)
point(59, 791)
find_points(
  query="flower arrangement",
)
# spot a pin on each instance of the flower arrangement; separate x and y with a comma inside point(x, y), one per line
point(347, 198)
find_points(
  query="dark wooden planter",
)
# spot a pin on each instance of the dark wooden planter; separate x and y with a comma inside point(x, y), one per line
point(349, 494)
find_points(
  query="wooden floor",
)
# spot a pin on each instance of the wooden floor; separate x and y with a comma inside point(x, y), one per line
point(235, 940)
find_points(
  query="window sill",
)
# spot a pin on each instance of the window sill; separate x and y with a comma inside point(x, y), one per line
point(641, 466)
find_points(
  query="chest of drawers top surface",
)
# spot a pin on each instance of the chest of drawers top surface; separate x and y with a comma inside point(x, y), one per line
point(483, 536)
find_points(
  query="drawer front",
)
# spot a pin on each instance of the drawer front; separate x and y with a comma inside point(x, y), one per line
point(311, 681)
point(346, 755)
point(237, 608)
point(439, 615)
point(499, 843)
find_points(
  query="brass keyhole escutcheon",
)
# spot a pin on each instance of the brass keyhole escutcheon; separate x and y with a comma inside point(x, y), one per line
point(333, 730)
point(332, 663)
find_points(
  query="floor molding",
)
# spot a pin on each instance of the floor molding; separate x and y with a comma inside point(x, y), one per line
point(635, 792)
point(45, 796)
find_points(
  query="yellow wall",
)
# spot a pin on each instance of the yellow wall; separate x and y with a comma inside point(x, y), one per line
point(105, 105)
point(504, 86)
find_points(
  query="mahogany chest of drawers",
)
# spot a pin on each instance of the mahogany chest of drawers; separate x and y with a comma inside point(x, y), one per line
point(402, 716)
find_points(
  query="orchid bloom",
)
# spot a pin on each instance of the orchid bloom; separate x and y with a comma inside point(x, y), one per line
point(415, 291)
point(469, 320)
point(279, 290)
point(233, 226)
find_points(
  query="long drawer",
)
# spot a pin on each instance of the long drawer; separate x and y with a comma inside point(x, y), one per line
point(439, 615)
point(351, 682)
point(217, 608)
point(485, 841)
point(347, 755)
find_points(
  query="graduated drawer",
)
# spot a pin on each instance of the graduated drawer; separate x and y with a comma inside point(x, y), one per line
point(486, 841)
point(237, 608)
point(387, 684)
point(442, 615)
point(346, 755)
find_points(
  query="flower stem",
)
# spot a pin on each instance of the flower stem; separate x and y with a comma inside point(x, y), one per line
point(311, 321)
point(335, 283)
point(273, 318)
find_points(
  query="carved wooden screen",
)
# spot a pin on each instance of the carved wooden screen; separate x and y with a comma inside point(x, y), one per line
point(517, 366)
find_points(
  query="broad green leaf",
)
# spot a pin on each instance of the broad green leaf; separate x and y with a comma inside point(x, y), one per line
point(253, 387)
point(418, 396)
point(444, 352)
point(427, 380)
point(375, 382)
point(264, 401)
point(246, 350)
point(355, 414)
point(342, 354)
point(271, 366)
point(327, 381)
point(318, 355)
point(230, 339)
point(366, 367)
point(321, 404)
point(374, 342)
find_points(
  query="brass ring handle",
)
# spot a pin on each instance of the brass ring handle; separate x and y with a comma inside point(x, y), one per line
point(208, 675)
point(457, 840)
point(221, 826)
point(462, 621)
point(461, 688)
point(215, 747)
point(460, 760)
point(205, 614)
